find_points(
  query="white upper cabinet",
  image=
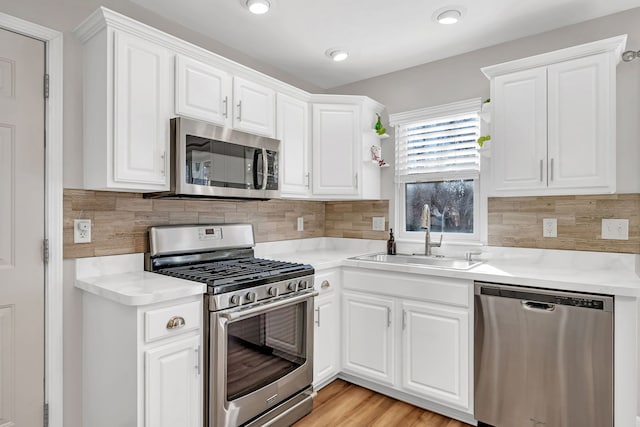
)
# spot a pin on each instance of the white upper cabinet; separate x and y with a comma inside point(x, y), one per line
point(519, 139)
point(581, 126)
point(128, 97)
point(254, 107)
point(293, 133)
point(203, 92)
point(335, 149)
point(554, 121)
point(342, 139)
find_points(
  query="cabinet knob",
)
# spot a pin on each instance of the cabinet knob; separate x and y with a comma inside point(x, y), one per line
point(176, 322)
point(325, 284)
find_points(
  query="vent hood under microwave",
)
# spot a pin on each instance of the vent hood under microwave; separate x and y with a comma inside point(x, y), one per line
point(210, 161)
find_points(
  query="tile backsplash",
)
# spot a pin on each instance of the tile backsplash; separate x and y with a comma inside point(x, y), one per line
point(120, 220)
point(517, 222)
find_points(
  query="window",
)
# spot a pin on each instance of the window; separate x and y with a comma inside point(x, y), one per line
point(438, 164)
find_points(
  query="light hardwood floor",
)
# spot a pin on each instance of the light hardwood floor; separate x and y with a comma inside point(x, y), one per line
point(342, 404)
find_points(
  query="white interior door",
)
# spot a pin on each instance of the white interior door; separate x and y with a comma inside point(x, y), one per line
point(21, 230)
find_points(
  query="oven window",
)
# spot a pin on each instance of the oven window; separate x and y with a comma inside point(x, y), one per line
point(222, 164)
point(264, 348)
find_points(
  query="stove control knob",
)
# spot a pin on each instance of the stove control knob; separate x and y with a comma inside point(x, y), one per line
point(292, 286)
point(273, 291)
point(303, 284)
point(235, 299)
point(250, 296)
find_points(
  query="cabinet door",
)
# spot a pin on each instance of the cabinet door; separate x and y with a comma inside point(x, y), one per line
point(293, 132)
point(435, 348)
point(172, 384)
point(142, 109)
point(519, 140)
point(336, 136)
point(202, 91)
point(368, 339)
point(254, 109)
point(326, 339)
point(581, 124)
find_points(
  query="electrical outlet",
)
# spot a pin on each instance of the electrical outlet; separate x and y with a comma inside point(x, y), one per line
point(549, 227)
point(377, 224)
point(81, 231)
point(615, 229)
point(300, 223)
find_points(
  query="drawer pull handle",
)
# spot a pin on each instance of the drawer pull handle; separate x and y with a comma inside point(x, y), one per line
point(176, 322)
point(325, 284)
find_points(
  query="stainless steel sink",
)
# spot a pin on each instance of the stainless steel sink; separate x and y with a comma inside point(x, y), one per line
point(429, 261)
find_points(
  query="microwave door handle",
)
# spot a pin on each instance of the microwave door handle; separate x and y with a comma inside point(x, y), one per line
point(265, 168)
point(258, 167)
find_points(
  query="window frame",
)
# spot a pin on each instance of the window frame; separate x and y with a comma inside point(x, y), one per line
point(400, 119)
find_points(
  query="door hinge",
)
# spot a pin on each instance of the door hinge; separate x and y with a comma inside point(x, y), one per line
point(45, 251)
point(46, 86)
point(45, 420)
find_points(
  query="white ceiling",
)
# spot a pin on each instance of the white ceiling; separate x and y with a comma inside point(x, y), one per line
point(381, 35)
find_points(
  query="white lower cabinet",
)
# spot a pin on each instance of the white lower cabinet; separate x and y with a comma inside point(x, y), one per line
point(172, 384)
point(142, 364)
point(326, 338)
point(369, 337)
point(435, 349)
point(415, 341)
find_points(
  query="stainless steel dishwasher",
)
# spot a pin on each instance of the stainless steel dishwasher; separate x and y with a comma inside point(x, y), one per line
point(542, 358)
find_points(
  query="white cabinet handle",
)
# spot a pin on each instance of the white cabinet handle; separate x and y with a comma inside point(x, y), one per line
point(176, 322)
point(197, 349)
point(163, 158)
point(541, 170)
point(551, 170)
point(318, 321)
point(325, 284)
point(308, 180)
point(240, 110)
point(225, 101)
point(388, 316)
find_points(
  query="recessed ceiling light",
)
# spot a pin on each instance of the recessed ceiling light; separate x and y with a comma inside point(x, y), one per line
point(449, 17)
point(337, 54)
point(258, 6)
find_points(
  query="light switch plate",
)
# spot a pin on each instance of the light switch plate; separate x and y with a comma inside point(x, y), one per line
point(549, 227)
point(615, 229)
point(81, 231)
point(378, 223)
point(300, 223)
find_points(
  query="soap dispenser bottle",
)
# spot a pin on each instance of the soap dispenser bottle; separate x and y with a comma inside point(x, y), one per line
point(391, 243)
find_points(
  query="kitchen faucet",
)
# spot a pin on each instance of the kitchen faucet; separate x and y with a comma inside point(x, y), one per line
point(425, 223)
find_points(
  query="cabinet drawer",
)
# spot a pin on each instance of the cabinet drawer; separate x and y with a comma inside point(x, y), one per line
point(326, 281)
point(174, 320)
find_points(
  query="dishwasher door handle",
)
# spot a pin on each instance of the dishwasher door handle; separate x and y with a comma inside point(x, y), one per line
point(539, 306)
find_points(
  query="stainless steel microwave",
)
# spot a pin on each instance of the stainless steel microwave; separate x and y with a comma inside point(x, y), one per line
point(213, 161)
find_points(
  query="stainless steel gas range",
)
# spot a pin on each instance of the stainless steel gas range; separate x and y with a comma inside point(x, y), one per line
point(258, 317)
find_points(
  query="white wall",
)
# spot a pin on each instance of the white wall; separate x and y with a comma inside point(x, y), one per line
point(459, 78)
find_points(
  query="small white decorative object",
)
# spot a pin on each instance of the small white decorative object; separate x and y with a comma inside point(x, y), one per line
point(376, 156)
point(485, 112)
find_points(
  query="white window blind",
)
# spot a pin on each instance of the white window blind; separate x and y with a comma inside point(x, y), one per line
point(438, 142)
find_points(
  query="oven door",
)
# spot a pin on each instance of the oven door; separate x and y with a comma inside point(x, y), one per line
point(259, 356)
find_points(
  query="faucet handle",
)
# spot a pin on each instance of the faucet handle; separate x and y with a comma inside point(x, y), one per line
point(436, 245)
point(469, 255)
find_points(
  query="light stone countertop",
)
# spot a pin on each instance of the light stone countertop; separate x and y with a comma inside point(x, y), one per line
point(121, 278)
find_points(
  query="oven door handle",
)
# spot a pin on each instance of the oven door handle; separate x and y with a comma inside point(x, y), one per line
point(239, 314)
point(265, 169)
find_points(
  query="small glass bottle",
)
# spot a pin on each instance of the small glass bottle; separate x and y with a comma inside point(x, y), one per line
point(391, 243)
